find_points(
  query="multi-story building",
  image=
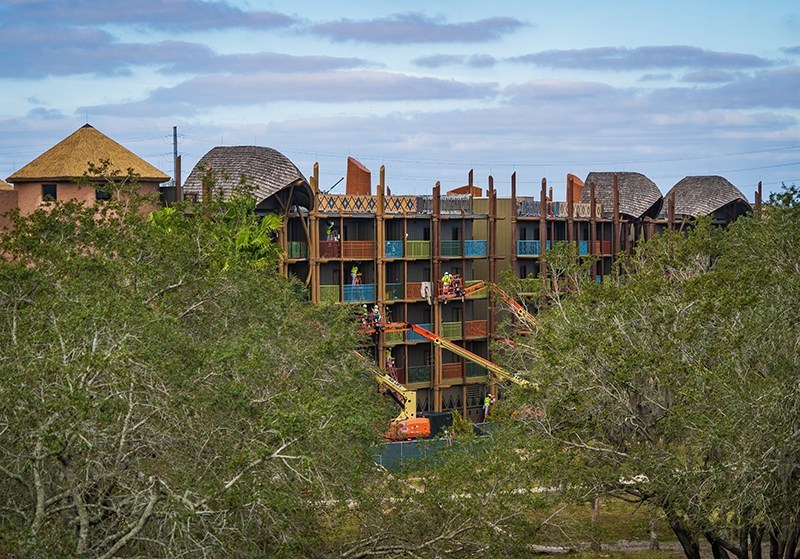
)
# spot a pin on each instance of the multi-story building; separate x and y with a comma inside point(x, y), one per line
point(398, 246)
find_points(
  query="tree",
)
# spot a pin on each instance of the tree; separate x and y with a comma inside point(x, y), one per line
point(154, 398)
point(677, 387)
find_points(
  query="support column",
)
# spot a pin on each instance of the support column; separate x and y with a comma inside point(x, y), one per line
point(436, 309)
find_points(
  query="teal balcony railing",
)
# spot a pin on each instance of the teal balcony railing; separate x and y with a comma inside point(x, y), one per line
point(394, 249)
point(528, 248)
point(359, 293)
point(583, 247)
point(475, 248)
point(414, 337)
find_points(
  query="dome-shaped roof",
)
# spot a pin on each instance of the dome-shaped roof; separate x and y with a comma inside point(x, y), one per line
point(265, 169)
point(705, 195)
point(638, 195)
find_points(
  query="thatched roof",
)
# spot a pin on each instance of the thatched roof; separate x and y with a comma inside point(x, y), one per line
point(638, 195)
point(69, 159)
point(4, 185)
point(266, 169)
point(706, 195)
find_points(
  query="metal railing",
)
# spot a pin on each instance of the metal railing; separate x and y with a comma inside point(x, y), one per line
point(419, 374)
point(418, 249)
point(451, 248)
point(475, 248)
point(451, 330)
point(394, 249)
point(359, 293)
point(394, 291)
point(330, 293)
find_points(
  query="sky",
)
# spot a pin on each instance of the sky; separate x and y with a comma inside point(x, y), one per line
point(428, 89)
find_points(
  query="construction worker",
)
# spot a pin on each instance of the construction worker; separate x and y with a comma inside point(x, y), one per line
point(376, 317)
point(390, 363)
point(329, 231)
point(447, 279)
point(354, 274)
point(487, 402)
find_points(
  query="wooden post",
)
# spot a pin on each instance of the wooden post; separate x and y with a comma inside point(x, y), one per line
point(593, 230)
point(513, 226)
point(313, 241)
point(380, 272)
point(543, 240)
point(436, 310)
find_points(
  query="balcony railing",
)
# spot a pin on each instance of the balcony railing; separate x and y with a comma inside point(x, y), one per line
point(394, 249)
point(482, 294)
point(451, 330)
point(419, 374)
point(451, 248)
point(449, 204)
point(583, 247)
point(475, 248)
point(475, 370)
point(529, 207)
point(394, 291)
point(394, 337)
point(414, 290)
point(330, 249)
point(452, 371)
point(329, 293)
point(296, 249)
point(603, 247)
point(476, 328)
point(418, 249)
point(528, 248)
point(414, 337)
point(359, 250)
point(359, 293)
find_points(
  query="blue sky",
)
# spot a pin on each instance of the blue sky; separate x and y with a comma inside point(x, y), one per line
point(428, 89)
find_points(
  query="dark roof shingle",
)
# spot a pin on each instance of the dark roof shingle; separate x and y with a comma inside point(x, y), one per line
point(266, 169)
point(638, 195)
point(703, 195)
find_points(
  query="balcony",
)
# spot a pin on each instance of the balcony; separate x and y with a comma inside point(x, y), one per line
point(482, 294)
point(418, 249)
point(330, 249)
point(394, 337)
point(475, 249)
point(528, 248)
point(329, 293)
point(451, 330)
point(452, 371)
point(394, 249)
point(360, 293)
point(474, 370)
point(583, 247)
point(296, 249)
point(451, 248)
point(419, 374)
point(476, 329)
point(394, 291)
point(414, 337)
point(414, 289)
point(358, 250)
point(603, 247)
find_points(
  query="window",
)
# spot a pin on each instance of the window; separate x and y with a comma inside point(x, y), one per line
point(100, 194)
point(49, 192)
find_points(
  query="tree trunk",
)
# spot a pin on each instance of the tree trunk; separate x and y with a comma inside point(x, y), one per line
point(689, 543)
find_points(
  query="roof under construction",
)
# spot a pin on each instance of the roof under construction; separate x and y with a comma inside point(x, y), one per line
point(696, 196)
point(267, 170)
point(70, 158)
point(638, 196)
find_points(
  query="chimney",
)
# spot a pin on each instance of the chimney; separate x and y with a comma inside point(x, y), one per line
point(359, 181)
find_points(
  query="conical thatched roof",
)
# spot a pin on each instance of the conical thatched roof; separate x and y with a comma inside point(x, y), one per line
point(266, 169)
point(705, 195)
point(638, 195)
point(4, 185)
point(69, 159)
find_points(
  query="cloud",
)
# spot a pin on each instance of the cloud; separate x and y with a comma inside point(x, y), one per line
point(563, 91)
point(439, 60)
point(36, 52)
point(792, 50)
point(655, 77)
point(174, 15)
point(46, 114)
point(708, 76)
point(416, 28)
point(620, 58)
point(262, 62)
point(195, 94)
